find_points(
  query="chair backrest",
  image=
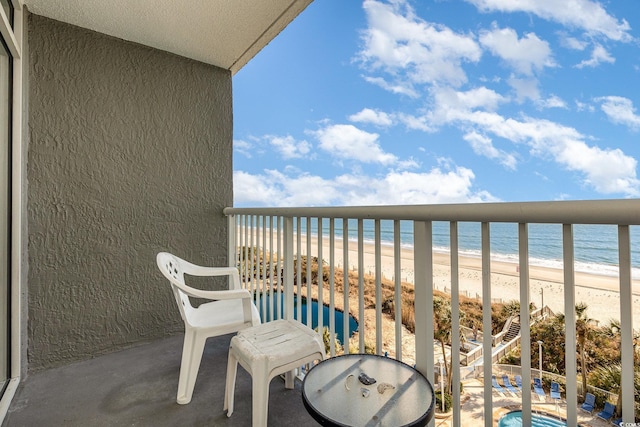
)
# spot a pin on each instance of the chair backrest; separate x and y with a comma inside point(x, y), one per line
point(555, 386)
point(537, 382)
point(518, 379)
point(609, 408)
point(171, 266)
point(590, 399)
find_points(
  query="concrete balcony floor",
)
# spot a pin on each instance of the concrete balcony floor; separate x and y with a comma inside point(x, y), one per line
point(137, 387)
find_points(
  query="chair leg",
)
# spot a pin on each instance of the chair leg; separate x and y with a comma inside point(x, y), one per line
point(289, 379)
point(230, 385)
point(191, 357)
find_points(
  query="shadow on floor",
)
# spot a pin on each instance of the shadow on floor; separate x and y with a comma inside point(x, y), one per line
point(137, 387)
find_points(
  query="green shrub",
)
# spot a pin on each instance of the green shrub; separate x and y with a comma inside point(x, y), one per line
point(448, 401)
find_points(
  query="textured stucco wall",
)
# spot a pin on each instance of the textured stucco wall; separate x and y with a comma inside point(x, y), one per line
point(130, 153)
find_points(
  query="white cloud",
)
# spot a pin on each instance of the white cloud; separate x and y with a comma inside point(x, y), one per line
point(586, 15)
point(477, 98)
point(582, 106)
point(400, 88)
point(572, 42)
point(449, 101)
point(376, 117)
point(524, 88)
point(415, 122)
point(413, 50)
point(620, 110)
point(289, 147)
point(440, 185)
point(607, 171)
point(483, 146)
point(526, 55)
point(350, 143)
point(553, 101)
point(598, 56)
point(242, 147)
point(254, 189)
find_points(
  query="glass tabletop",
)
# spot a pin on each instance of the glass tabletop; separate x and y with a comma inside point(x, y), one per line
point(390, 393)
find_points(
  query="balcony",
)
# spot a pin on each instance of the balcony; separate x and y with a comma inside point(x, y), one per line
point(137, 385)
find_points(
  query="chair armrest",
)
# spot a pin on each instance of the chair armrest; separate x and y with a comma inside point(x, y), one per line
point(197, 270)
point(214, 295)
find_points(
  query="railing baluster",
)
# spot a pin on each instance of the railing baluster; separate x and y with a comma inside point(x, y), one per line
point(397, 300)
point(361, 328)
point(345, 261)
point(278, 268)
point(332, 287)
point(263, 268)
point(378, 265)
point(320, 279)
point(252, 248)
point(570, 323)
point(525, 328)
point(626, 324)
point(231, 241)
point(309, 284)
point(486, 323)
point(288, 268)
point(299, 270)
point(245, 250)
point(270, 280)
point(423, 299)
point(455, 321)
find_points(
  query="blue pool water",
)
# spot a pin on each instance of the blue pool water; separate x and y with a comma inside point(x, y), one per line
point(265, 314)
point(513, 419)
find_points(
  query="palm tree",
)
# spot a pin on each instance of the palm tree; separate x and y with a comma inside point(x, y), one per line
point(442, 320)
point(584, 331)
point(613, 331)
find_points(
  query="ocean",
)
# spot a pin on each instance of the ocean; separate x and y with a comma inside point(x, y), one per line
point(595, 246)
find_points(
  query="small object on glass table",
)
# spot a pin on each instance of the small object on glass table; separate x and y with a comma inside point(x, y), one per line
point(404, 396)
point(366, 379)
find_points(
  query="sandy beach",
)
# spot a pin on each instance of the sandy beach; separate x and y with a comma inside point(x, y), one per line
point(600, 292)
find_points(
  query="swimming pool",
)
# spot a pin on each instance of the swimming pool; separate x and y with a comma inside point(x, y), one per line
point(514, 419)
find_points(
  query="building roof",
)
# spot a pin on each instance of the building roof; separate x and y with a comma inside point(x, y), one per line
point(225, 33)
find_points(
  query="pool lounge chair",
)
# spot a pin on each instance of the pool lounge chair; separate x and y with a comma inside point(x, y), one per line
point(537, 387)
point(518, 379)
point(589, 403)
point(497, 387)
point(507, 384)
point(616, 422)
point(607, 413)
point(555, 390)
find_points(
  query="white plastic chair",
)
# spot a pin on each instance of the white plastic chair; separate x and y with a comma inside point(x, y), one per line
point(230, 311)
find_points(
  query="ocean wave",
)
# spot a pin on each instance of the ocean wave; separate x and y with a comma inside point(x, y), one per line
point(596, 268)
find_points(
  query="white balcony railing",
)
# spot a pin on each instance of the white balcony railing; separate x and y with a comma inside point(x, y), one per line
point(293, 232)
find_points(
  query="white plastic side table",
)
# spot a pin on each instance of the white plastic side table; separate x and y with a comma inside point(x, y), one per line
point(265, 351)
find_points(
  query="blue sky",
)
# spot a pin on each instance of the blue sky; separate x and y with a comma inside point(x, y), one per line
point(442, 101)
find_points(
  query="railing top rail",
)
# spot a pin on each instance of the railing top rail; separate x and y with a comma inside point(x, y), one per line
point(619, 212)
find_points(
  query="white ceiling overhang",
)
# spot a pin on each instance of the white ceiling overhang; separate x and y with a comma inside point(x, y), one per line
point(225, 33)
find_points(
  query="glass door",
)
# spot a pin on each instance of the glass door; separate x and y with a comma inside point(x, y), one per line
point(5, 211)
point(10, 47)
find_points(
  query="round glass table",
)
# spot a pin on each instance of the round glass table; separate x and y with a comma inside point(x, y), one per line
point(367, 390)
